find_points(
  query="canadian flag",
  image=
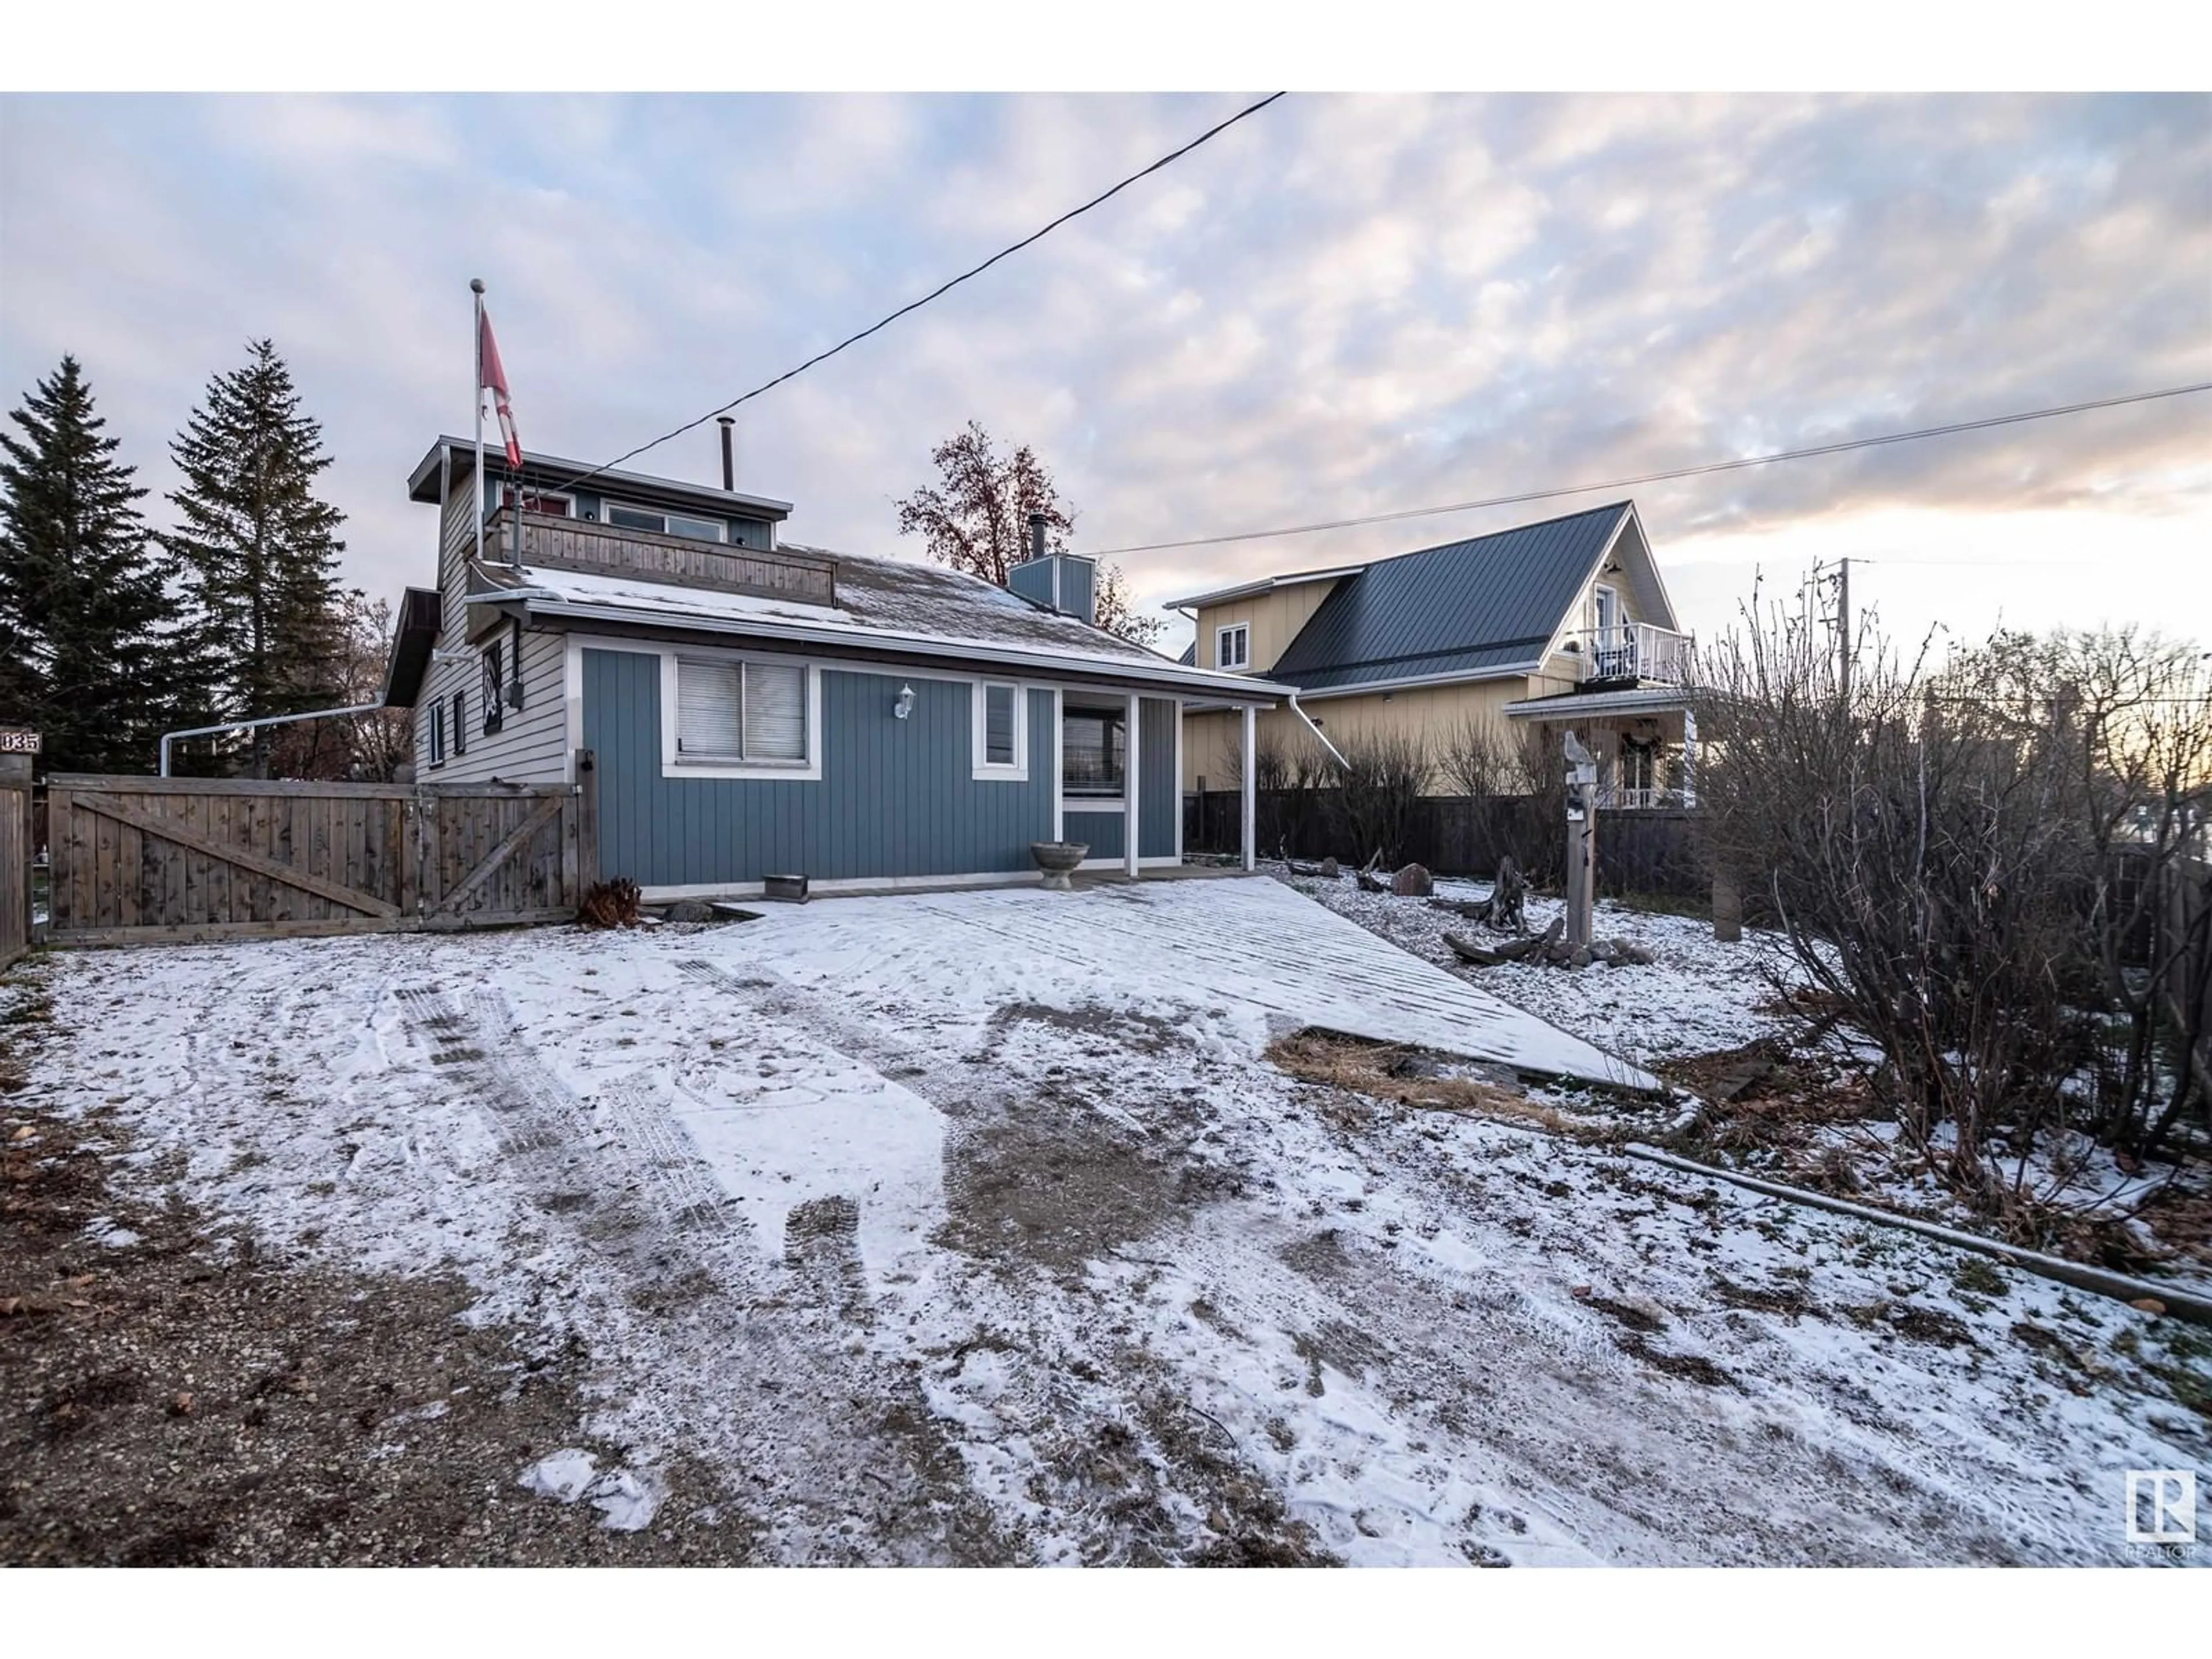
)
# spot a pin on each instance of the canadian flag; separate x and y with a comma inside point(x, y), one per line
point(491, 376)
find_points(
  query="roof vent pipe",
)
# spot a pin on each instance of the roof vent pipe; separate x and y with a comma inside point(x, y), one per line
point(729, 452)
point(1036, 535)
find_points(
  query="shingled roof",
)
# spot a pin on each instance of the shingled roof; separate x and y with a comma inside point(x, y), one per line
point(1489, 605)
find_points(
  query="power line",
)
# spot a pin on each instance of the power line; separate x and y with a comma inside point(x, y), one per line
point(936, 293)
point(1674, 472)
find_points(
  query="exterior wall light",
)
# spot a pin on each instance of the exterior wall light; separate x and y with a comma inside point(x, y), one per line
point(904, 704)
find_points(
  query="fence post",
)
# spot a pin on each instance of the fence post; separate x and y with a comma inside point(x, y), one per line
point(1728, 908)
point(587, 822)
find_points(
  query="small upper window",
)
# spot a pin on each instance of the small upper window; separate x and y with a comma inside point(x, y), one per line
point(663, 523)
point(1232, 646)
point(460, 722)
point(436, 739)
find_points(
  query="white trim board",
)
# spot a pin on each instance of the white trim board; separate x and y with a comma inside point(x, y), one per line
point(845, 885)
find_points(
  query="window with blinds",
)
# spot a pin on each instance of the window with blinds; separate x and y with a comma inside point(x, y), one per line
point(998, 726)
point(753, 712)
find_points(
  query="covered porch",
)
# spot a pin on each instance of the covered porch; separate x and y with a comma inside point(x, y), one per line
point(1644, 740)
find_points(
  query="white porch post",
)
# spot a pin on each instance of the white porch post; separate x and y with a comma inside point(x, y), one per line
point(1250, 784)
point(1130, 817)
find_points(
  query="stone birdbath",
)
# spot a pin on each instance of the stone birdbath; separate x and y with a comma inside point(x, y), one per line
point(1057, 858)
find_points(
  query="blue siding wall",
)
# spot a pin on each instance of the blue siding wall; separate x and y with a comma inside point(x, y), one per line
point(1100, 830)
point(895, 798)
point(1159, 781)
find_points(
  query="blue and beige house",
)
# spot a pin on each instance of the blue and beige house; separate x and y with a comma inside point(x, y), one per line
point(751, 707)
point(1564, 625)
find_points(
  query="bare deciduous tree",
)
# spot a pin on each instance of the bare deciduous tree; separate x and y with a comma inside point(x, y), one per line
point(975, 518)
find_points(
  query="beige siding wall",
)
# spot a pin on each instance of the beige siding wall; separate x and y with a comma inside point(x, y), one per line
point(1431, 714)
point(1273, 617)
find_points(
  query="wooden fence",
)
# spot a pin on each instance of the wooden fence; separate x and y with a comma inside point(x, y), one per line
point(1651, 851)
point(18, 848)
point(138, 859)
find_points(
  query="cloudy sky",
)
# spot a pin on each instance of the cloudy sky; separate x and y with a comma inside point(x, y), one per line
point(1345, 305)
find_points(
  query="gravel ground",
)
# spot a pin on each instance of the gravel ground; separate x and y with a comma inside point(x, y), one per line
point(174, 1393)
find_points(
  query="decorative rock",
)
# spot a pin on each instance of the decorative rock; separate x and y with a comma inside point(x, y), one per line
point(1413, 882)
point(1635, 954)
point(1329, 868)
point(2149, 1305)
point(690, 910)
point(1581, 957)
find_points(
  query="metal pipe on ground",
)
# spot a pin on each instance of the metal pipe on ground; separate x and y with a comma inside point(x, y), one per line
point(2122, 1287)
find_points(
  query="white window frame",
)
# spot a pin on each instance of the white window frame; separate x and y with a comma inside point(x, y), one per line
point(981, 768)
point(808, 771)
point(560, 495)
point(721, 526)
point(433, 735)
point(1241, 632)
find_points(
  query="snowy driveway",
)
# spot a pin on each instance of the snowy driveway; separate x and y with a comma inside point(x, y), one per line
point(974, 1227)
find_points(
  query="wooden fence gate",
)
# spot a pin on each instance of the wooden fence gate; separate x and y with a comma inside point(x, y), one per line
point(141, 860)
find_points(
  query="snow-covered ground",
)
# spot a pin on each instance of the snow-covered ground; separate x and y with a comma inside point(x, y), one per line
point(1698, 996)
point(976, 1227)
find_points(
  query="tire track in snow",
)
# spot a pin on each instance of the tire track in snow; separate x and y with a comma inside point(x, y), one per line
point(745, 1349)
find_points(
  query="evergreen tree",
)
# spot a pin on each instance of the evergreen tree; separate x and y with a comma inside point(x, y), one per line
point(259, 550)
point(89, 644)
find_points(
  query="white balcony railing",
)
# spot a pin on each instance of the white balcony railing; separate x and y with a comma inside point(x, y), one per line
point(1621, 798)
point(1635, 650)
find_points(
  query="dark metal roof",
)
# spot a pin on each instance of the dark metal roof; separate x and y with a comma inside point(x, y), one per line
point(1483, 606)
point(1189, 658)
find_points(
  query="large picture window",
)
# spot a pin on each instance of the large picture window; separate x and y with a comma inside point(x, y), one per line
point(744, 713)
point(1094, 752)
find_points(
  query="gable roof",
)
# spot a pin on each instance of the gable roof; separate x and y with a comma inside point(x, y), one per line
point(890, 606)
point(1489, 605)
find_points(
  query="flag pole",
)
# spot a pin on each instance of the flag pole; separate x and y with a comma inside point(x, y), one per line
point(476, 396)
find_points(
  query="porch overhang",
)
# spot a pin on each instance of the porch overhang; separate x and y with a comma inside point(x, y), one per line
point(1586, 705)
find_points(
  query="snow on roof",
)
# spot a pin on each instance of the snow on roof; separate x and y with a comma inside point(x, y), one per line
point(890, 600)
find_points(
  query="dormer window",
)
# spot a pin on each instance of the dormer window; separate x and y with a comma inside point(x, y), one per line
point(624, 517)
point(1232, 646)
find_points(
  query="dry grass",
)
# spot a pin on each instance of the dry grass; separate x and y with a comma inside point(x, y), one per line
point(1395, 1073)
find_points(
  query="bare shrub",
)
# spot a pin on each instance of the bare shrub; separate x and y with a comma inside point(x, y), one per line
point(1291, 776)
point(1515, 793)
point(1377, 788)
point(1947, 854)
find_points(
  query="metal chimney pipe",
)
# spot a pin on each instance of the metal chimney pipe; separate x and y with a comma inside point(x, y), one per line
point(1036, 535)
point(729, 452)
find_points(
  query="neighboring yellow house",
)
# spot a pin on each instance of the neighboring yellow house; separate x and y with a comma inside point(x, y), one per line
point(1564, 625)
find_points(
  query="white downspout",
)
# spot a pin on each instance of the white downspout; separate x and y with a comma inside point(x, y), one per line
point(1317, 731)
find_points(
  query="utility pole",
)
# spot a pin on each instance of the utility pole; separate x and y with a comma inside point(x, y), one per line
point(1844, 629)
